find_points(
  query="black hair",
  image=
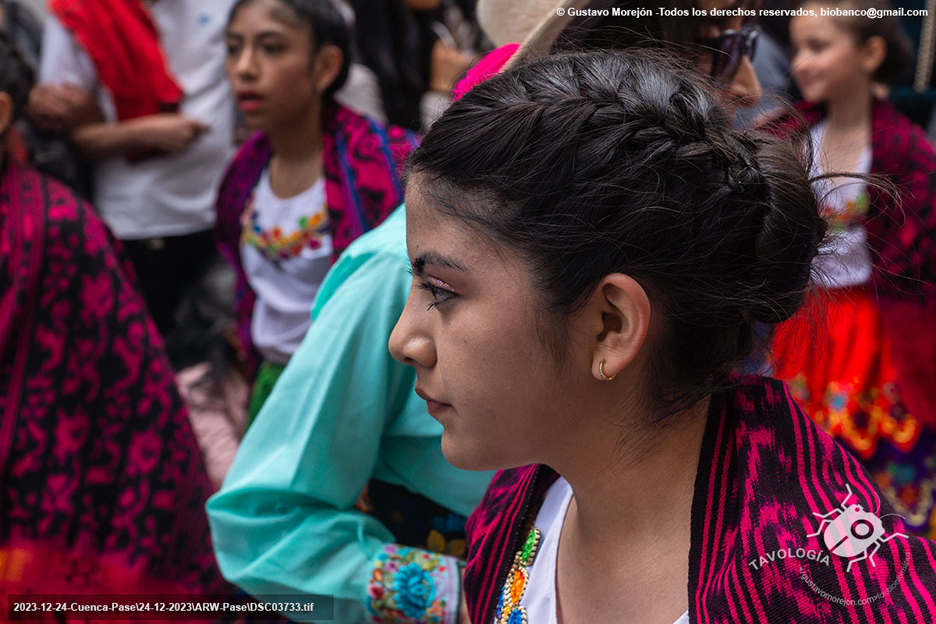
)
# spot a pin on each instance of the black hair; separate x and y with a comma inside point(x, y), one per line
point(396, 44)
point(619, 161)
point(899, 56)
point(205, 325)
point(326, 26)
point(16, 75)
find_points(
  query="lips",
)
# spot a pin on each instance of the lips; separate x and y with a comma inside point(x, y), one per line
point(249, 101)
point(434, 407)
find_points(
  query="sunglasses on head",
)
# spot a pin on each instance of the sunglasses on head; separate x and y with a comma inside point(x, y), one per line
point(728, 50)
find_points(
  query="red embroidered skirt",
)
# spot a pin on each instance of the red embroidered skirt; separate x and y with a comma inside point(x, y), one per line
point(836, 359)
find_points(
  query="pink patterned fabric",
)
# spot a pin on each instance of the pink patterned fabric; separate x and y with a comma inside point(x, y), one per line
point(764, 470)
point(363, 164)
point(99, 469)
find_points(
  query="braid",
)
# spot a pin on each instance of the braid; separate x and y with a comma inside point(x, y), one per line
point(618, 161)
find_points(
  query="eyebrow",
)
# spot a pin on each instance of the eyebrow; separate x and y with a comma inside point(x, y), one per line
point(431, 257)
point(260, 35)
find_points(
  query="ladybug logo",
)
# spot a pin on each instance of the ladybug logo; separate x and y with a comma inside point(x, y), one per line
point(851, 532)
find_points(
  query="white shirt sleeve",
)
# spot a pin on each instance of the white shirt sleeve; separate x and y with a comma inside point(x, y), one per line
point(64, 61)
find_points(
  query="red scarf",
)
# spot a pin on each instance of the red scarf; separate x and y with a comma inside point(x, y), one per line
point(123, 43)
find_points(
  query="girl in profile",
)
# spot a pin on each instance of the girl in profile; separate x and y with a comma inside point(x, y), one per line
point(591, 248)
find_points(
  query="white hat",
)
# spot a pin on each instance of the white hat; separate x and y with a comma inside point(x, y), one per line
point(535, 24)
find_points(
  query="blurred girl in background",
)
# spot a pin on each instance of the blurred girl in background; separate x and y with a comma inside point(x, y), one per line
point(315, 177)
point(866, 371)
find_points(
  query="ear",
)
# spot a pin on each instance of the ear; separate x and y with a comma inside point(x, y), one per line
point(328, 64)
point(873, 53)
point(619, 316)
point(6, 111)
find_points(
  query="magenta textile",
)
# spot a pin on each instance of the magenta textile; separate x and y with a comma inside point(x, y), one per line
point(98, 462)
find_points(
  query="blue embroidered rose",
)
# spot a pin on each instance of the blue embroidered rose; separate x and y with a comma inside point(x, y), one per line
point(415, 590)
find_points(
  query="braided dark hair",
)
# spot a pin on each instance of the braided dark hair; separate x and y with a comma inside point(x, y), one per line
point(619, 161)
point(16, 75)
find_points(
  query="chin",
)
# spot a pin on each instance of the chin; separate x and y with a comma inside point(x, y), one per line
point(476, 457)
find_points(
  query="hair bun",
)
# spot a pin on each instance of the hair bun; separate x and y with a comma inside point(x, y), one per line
point(791, 231)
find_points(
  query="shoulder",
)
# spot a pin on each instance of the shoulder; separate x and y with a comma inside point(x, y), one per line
point(776, 485)
point(357, 128)
point(377, 261)
point(900, 145)
point(244, 170)
point(795, 120)
point(254, 153)
point(387, 242)
point(67, 213)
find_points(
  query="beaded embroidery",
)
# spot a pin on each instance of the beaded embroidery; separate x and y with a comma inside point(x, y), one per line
point(276, 246)
point(509, 610)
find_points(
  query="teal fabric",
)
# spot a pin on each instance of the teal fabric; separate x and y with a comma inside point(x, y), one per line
point(343, 412)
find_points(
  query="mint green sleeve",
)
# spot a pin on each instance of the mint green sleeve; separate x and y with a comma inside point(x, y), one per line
point(284, 521)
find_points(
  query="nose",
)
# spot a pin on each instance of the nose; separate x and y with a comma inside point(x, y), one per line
point(410, 342)
point(798, 62)
point(244, 64)
point(745, 89)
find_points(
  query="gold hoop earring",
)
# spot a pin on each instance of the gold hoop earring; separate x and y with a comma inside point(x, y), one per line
point(601, 371)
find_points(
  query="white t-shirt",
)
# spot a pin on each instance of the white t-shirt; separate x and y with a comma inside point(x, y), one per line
point(845, 260)
point(285, 289)
point(539, 600)
point(165, 195)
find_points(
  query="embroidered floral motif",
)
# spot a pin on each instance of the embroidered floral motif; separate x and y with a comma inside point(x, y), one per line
point(276, 246)
point(415, 590)
point(861, 419)
point(410, 586)
point(851, 214)
point(509, 610)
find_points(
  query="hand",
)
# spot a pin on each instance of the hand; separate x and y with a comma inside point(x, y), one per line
point(169, 132)
point(54, 108)
point(446, 66)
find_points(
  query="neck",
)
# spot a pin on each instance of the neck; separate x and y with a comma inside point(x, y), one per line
point(298, 139)
point(635, 486)
point(852, 111)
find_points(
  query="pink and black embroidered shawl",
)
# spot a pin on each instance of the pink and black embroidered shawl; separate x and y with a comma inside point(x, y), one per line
point(764, 471)
point(102, 484)
point(363, 164)
point(902, 235)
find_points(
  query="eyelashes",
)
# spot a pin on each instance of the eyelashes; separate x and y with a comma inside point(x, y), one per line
point(439, 294)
